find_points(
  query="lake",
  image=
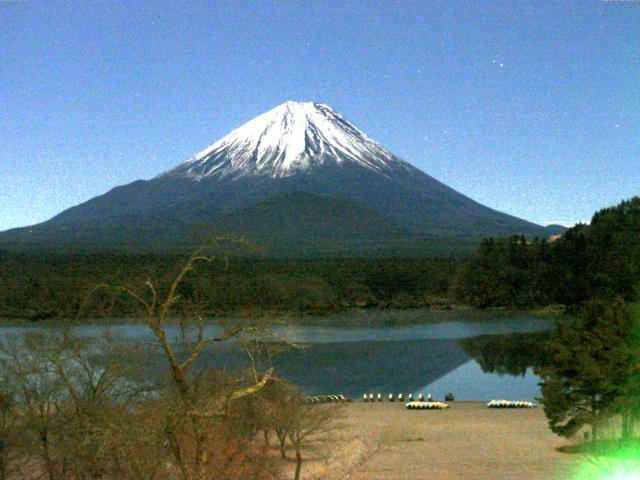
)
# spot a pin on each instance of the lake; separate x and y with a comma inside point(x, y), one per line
point(473, 360)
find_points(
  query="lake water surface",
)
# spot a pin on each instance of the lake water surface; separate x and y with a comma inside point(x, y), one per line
point(434, 358)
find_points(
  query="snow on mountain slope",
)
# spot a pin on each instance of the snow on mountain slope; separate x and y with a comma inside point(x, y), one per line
point(298, 178)
point(291, 138)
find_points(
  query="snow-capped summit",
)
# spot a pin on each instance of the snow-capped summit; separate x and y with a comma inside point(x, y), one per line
point(291, 138)
point(299, 179)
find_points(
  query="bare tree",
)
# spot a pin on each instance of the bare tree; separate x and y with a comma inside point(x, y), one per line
point(304, 428)
point(310, 430)
point(274, 405)
point(98, 391)
point(77, 408)
point(67, 394)
point(8, 437)
point(27, 371)
point(196, 404)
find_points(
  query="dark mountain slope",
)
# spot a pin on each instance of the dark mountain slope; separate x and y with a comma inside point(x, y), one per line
point(298, 177)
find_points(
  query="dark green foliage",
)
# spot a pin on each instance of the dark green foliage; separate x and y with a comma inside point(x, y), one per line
point(613, 250)
point(507, 272)
point(510, 354)
point(597, 260)
point(40, 286)
point(572, 283)
point(627, 402)
point(590, 363)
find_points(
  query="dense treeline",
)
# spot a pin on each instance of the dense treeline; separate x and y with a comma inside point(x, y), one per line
point(601, 259)
point(40, 286)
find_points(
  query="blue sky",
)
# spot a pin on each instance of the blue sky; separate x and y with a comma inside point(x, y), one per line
point(532, 108)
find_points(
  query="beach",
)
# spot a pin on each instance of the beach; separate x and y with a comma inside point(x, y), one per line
point(467, 441)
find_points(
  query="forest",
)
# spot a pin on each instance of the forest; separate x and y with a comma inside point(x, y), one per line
point(41, 286)
point(599, 259)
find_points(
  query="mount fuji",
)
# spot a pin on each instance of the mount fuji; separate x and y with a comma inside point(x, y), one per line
point(300, 180)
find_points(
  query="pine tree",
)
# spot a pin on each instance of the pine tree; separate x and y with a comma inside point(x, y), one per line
point(628, 397)
point(590, 366)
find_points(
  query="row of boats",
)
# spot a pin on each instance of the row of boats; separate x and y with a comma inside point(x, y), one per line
point(510, 404)
point(391, 398)
point(422, 403)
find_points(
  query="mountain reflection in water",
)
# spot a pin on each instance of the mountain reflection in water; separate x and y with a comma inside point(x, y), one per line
point(431, 358)
point(354, 368)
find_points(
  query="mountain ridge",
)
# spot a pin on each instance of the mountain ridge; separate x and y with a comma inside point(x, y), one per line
point(293, 153)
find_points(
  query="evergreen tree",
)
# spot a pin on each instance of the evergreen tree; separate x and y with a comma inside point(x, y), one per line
point(600, 259)
point(590, 365)
point(628, 396)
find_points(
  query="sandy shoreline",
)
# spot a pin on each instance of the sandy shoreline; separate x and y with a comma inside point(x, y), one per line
point(468, 441)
